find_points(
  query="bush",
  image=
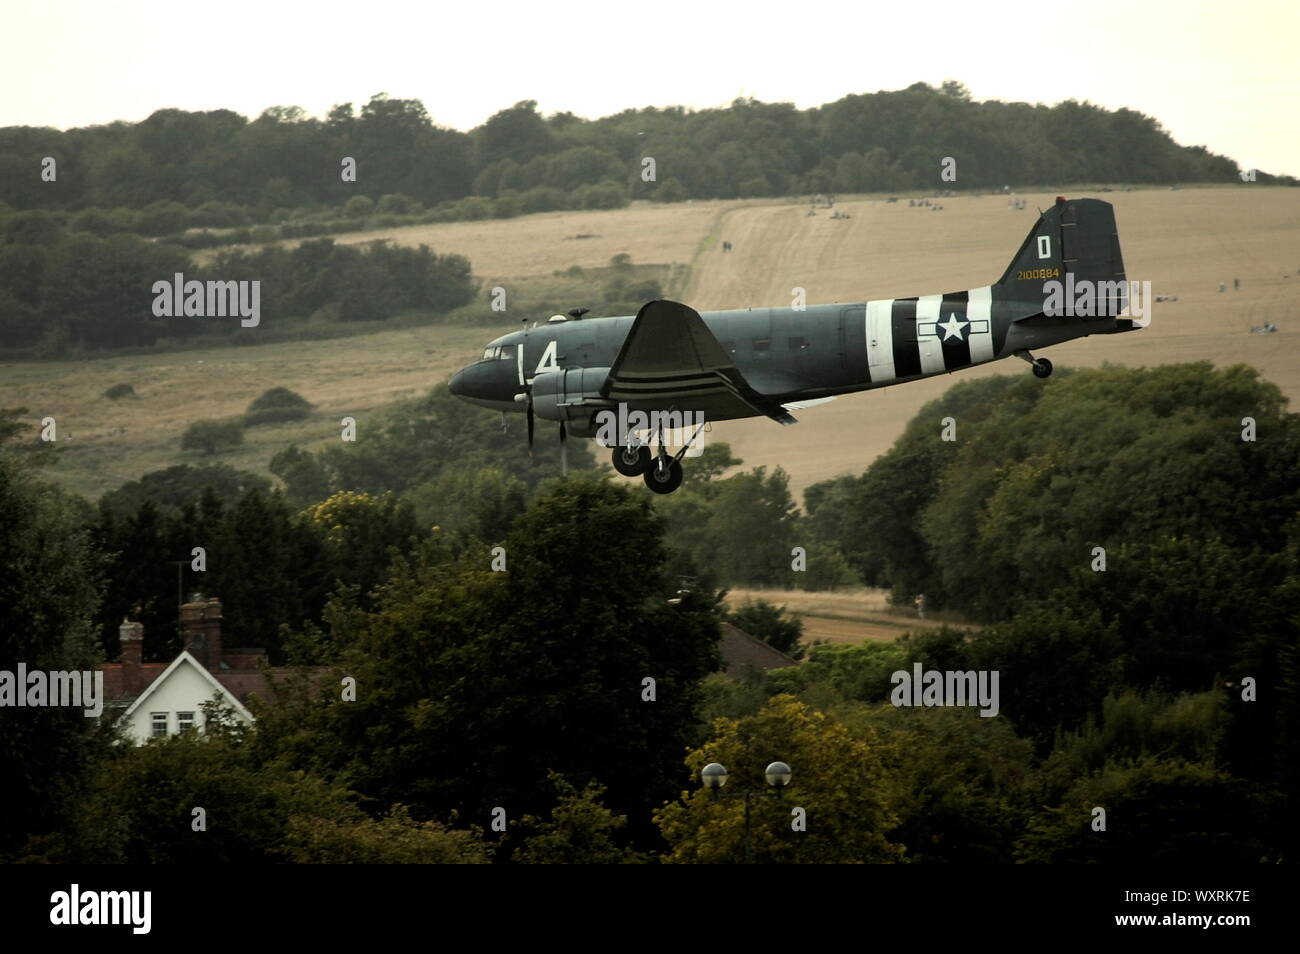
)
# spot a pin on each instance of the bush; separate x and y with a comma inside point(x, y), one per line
point(398, 204)
point(670, 190)
point(543, 199)
point(119, 391)
point(162, 218)
point(508, 206)
point(212, 436)
point(602, 195)
point(276, 405)
point(358, 207)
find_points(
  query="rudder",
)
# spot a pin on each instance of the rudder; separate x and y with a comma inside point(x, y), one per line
point(1075, 237)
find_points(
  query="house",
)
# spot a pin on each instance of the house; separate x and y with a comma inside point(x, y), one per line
point(157, 699)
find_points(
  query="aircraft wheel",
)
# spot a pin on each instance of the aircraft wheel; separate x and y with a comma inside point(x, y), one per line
point(1042, 368)
point(664, 476)
point(631, 461)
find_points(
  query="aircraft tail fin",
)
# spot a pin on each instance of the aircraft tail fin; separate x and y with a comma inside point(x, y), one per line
point(1074, 237)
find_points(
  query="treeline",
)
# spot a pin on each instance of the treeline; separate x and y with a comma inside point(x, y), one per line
point(1135, 700)
point(276, 556)
point(64, 290)
point(1158, 467)
point(223, 170)
point(1162, 684)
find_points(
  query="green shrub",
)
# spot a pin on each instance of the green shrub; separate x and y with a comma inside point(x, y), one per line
point(212, 436)
point(277, 405)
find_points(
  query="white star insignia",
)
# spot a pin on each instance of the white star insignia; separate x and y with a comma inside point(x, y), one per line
point(952, 328)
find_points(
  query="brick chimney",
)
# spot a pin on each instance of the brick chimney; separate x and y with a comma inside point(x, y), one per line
point(131, 635)
point(201, 626)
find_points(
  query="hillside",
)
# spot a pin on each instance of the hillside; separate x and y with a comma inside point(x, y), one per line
point(1185, 242)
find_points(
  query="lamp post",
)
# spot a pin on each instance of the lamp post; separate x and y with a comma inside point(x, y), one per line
point(714, 777)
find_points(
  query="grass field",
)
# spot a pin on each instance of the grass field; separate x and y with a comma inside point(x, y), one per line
point(1185, 242)
point(847, 616)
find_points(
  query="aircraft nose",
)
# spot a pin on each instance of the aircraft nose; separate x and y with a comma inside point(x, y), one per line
point(479, 384)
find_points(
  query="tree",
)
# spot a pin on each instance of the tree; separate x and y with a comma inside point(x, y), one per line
point(517, 133)
point(396, 838)
point(477, 683)
point(362, 534)
point(771, 624)
point(48, 599)
point(838, 781)
point(480, 503)
point(1156, 812)
point(579, 831)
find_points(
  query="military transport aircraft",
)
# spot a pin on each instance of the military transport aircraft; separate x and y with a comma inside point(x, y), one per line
point(723, 365)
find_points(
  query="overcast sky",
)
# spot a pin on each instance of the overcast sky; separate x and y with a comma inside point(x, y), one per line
point(1217, 74)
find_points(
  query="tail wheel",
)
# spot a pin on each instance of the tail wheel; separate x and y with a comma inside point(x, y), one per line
point(664, 475)
point(631, 461)
point(1042, 368)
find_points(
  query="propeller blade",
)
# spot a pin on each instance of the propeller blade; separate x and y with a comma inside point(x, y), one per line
point(530, 427)
point(564, 450)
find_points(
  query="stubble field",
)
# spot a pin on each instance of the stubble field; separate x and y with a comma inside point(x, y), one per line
point(1185, 242)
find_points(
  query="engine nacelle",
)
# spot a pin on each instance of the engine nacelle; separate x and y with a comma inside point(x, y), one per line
point(571, 395)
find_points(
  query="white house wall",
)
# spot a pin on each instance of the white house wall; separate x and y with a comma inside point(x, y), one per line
point(185, 689)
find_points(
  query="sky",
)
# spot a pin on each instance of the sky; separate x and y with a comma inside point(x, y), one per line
point(1216, 74)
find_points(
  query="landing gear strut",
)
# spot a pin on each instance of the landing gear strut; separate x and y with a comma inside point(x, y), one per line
point(1042, 367)
point(661, 471)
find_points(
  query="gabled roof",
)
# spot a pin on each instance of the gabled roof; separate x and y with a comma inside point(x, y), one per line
point(186, 659)
point(741, 651)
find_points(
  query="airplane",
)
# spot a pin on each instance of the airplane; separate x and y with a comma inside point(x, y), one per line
point(726, 365)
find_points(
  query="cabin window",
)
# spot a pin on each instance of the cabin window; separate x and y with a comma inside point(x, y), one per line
point(158, 724)
point(184, 720)
point(799, 343)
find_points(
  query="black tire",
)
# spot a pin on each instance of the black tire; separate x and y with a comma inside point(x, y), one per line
point(1042, 368)
point(664, 476)
point(634, 467)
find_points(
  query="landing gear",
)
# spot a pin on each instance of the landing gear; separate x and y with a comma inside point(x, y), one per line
point(664, 475)
point(632, 461)
point(1042, 367)
point(661, 470)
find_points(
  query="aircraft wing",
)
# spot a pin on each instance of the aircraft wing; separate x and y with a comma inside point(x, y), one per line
point(671, 359)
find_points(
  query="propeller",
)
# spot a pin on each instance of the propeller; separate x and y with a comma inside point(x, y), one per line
point(527, 397)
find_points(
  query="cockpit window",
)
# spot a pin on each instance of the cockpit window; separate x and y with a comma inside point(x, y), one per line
point(497, 353)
